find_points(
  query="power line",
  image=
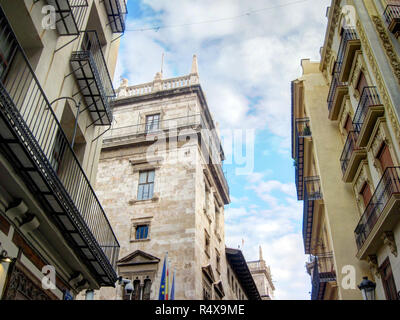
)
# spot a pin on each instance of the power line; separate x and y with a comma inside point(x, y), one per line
point(248, 13)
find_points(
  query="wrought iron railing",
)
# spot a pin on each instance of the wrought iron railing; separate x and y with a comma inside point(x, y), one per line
point(315, 281)
point(347, 35)
point(349, 147)
point(335, 83)
point(116, 11)
point(98, 84)
point(391, 13)
point(70, 15)
point(302, 130)
point(28, 112)
point(387, 186)
point(369, 98)
point(312, 192)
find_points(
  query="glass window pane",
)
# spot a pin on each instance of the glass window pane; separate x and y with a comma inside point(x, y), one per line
point(150, 177)
point(146, 191)
point(151, 190)
point(140, 192)
point(142, 177)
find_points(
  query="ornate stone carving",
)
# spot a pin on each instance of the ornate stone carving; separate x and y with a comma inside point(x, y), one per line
point(331, 32)
point(374, 66)
point(388, 239)
point(373, 264)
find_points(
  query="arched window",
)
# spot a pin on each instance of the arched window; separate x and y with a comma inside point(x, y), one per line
point(146, 289)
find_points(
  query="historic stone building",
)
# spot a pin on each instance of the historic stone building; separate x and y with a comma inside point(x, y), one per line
point(262, 277)
point(346, 147)
point(161, 180)
point(57, 61)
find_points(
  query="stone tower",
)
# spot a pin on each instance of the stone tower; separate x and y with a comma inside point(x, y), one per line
point(262, 277)
point(161, 181)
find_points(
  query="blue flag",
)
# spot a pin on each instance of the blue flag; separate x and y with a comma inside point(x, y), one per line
point(163, 284)
point(173, 287)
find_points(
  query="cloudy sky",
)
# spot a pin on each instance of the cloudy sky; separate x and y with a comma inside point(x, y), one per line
point(248, 52)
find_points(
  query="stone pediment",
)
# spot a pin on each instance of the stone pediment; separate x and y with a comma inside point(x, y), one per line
point(138, 257)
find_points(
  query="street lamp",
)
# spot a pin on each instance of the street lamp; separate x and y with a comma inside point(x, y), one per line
point(367, 288)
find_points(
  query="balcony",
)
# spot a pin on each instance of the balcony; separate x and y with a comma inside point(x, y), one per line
point(70, 15)
point(349, 44)
point(380, 215)
point(35, 144)
point(369, 109)
point(312, 194)
point(302, 133)
point(337, 92)
point(147, 131)
point(91, 73)
point(116, 12)
point(323, 272)
point(392, 18)
point(351, 157)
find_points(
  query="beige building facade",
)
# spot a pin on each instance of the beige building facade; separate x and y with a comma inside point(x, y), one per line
point(346, 149)
point(57, 61)
point(161, 180)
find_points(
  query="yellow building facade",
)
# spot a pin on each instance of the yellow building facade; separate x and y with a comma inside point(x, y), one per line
point(346, 135)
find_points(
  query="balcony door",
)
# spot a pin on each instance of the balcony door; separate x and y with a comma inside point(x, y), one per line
point(384, 157)
point(388, 280)
point(366, 194)
point(362, 83)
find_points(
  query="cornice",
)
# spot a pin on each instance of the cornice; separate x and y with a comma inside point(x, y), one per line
point(333, 19)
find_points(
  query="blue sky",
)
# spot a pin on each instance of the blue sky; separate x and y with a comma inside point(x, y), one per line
point(245, 66)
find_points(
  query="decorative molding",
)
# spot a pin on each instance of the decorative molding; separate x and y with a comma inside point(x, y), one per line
point(330, 33)
point(373, 264)
point(388, 239)
point(374, 66)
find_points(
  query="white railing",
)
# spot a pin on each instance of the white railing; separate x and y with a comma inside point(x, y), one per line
point(156, 85)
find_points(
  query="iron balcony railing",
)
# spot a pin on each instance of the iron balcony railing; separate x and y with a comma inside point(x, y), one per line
point(323, 272)
point(392, 12)
point(157, 127)
point(312, 192)
point(70, 15)
point(349, 147)
point(116, 11)
point(315, 282)
point(335, 83)
point(94, 80)
point(347, 35)
point(387, 186)
point(34, 138)
point(369, 98)
point(302, 130)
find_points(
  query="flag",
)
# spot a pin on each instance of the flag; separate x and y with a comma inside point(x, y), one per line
point(163, 294)
point(167, 285)
point(172, 297)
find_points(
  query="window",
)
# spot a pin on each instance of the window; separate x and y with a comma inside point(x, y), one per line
point(388, 280)
point(348, 126)
point(206, 290)
point(146, 185)
point(361, 83)
point(218, 261)
point(366, 194)
point(152, 122)
point(58, 151)
point(207, 243)
point(142, 232)
point(384, 157)
point(147, 289)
